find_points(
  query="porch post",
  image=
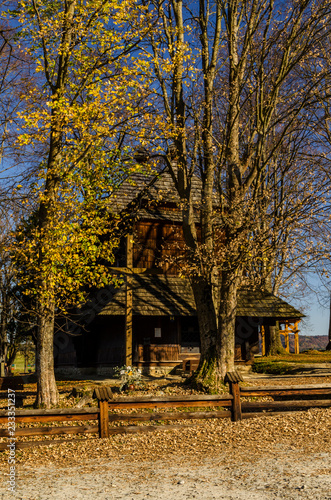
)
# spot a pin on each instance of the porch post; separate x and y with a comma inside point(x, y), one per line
point(328, 347)
point(128, 301)
point(296, 338)
point(287, 338)
point(263, 339)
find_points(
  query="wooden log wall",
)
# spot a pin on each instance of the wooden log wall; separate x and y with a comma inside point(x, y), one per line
point(159, 243)
point(155, 352)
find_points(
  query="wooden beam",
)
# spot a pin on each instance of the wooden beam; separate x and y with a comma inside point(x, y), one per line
point(50, 418)
point(287, 337)
point(329, 344)
point(56, 411)
point(42, 431)
point(263, 339)
point(296, 338)
point(177, 399)
point(236, 406)
point(172, 404)
point(103, 419)
point(180, 415)
point(270, 405)
point(128, 302)
point(135, 270)
point(295, 390)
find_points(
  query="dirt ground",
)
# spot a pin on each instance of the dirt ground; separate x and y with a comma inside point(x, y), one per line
point(267, 457)
point(284, 475)
point(285, 456)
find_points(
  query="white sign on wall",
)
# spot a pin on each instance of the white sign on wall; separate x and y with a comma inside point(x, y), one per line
point(157, 332)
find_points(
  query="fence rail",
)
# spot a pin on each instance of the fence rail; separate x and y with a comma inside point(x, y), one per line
point(229, 406)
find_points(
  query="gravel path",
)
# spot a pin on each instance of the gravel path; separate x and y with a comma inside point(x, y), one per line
point(285, 476)
point(268, 457)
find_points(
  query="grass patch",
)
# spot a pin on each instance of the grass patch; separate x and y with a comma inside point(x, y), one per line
point(19, 365)
point(274, 368)
point(303, 357)
point(283, 363)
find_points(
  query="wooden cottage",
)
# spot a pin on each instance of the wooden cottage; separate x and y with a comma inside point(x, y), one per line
point(150, 320)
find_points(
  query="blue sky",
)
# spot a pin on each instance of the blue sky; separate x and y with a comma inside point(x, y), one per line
point(317, 321)
point(316, 307)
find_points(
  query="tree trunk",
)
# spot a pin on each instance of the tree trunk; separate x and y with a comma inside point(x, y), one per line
point(10, 357)
point(207, 376)
point(206, 313)
point(217, 331)
point(3, 327)
point(272, 339)
point(47, 393)
point(227, 322)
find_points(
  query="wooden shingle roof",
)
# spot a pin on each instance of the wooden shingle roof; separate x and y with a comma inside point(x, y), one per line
point(160, 295)
point(147, 193)
point(154, 296)
point(257, 303)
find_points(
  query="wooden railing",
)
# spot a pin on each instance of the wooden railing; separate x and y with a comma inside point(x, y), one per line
point(229, 406)
point(103, 417)
point(292, 398)
point(206, 401)
point(46, 416)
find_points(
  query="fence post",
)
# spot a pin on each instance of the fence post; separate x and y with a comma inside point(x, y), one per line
point(103, 394)
point(233, 378)
point(103, 419)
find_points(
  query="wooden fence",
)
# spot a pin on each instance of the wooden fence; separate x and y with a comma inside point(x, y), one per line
point(229, 406)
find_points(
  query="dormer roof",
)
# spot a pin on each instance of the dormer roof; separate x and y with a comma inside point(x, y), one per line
point(151, 195)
